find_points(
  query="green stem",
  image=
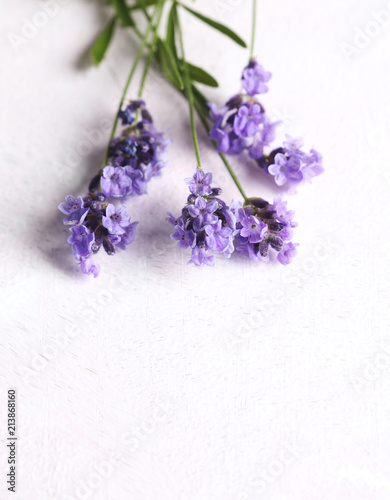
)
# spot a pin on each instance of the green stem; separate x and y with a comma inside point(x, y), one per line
point(129, 79)
point(234, 177)
point(254, 5)
point(190, 96)
point(160, 6)
point(203, 119)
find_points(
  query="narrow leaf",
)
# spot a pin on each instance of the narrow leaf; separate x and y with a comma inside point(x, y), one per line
point(201, 76)
point(168, 64)
point(102, 42)
point(171, 32)
point(122, 12)
point(218, 26)
point(143, 4)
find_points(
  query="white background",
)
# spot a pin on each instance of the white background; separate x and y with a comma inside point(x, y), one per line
point(238, 382)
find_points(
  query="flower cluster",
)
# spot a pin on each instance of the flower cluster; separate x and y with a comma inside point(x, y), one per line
point(262, 226)
point(206, 224)
point(134, 157)
point(242, 124)
point(95, 223)
point(290, 164)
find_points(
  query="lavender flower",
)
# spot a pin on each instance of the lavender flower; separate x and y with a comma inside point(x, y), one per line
point(253, 228)
point(88, 267)
point(199, 184)
point(81, 240)
point(202, 212)
point(114, 182)
point(185, 238)
point(199, 257)
point(290, 165)
point(262, 226)
point(206, 224)
point(116, 219)
point(287, 253)
point(135, 156)
point(103, 225)
point(243, 125)
point(247, 120)
point(254, 78)
point(75, 210)
point(127, 237)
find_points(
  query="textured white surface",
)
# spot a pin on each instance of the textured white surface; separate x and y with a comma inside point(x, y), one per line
point(159, 381)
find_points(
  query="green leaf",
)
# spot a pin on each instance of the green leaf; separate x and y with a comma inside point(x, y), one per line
point(102, 42)
point(171, 32)
point(201, 76)
point(143, 4)
point(218, 26)
point(168, 64)
point(122, 12)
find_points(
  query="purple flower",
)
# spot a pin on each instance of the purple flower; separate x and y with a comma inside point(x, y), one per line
point(286, 169)
point(135, 156)
point(135, 105)
point(128, 236)
point(137, 182)
point(292, 165)
point(207, 223)
point(222, 131)
point(231, 213)
point(114, 182)
point(282, 213)
point(75, 210)
point(263, 137)
point(199, 184)
point(253, 229)
point(254, 78)
point(185, 238)
point(288, 252)
point(218, 237)
point(175, 221)
point(312, 165)
point(202, 212)
point(154, 169)
point(126, 116)
point(82, 241)
point(293, 144)
point(129, 147)
point(116, 219)
point(263, 227)
point(89, 267)
point(200, 258)
point(248, 119)
point(105, 226)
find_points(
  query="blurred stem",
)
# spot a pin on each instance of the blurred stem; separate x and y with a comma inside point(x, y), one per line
point(152, 48)
point(188, 91)
point(254, 6)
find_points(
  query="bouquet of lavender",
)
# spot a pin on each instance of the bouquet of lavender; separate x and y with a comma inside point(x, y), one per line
point(135, 154)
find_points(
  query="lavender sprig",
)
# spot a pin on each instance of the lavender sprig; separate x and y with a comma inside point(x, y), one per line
point(134, 157)
point(95, 224)
point(207, 224)
point(243, 125)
